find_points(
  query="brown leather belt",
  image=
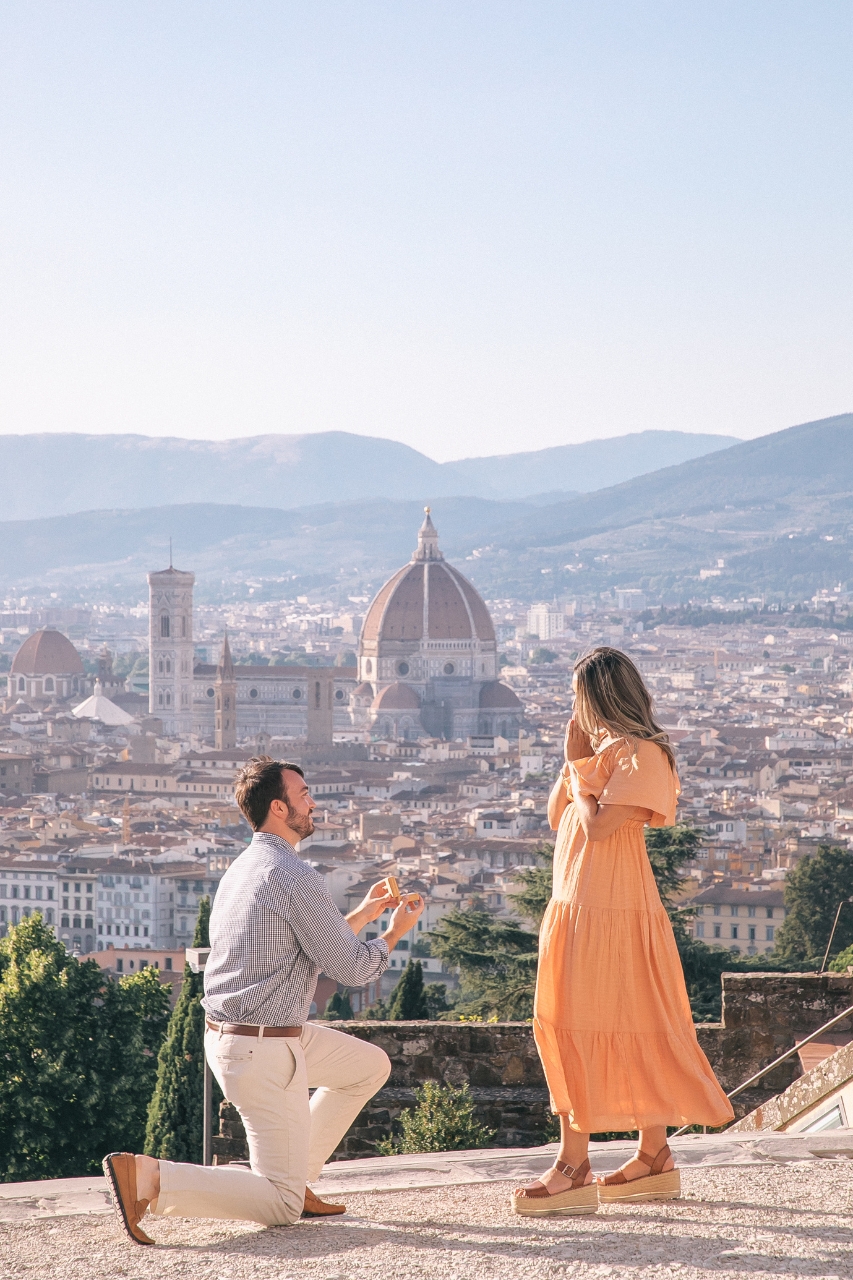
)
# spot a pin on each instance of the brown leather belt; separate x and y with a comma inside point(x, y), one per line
point(239, 1029)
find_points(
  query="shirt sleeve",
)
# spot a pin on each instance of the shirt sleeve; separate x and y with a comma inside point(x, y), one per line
point(327, 939)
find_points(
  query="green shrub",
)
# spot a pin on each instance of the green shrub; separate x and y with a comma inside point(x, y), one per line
point(442, 1120)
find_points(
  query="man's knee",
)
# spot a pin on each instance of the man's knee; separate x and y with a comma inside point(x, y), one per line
point(375, 1065)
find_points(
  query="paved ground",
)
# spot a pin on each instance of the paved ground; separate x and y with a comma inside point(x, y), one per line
point(794, 1219)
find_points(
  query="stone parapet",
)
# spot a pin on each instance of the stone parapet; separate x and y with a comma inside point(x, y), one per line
point(763, 1015)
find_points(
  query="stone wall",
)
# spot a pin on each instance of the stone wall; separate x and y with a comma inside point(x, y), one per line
point(763, 1015)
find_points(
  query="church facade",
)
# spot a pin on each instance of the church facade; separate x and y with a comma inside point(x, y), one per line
point(427, 658)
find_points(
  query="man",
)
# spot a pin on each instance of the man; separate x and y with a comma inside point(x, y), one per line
point(273, 928)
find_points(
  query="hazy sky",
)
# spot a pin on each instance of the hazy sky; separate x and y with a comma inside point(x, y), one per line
point(470, 225)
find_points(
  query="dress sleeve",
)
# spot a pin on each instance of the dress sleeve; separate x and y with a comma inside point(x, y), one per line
point(592, 773)
point(640, 774)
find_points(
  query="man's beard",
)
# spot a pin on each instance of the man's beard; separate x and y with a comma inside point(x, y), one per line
point(302, 824)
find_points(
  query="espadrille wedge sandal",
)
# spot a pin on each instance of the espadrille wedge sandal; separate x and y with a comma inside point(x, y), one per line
point(538, 1202)
point(655, 1185)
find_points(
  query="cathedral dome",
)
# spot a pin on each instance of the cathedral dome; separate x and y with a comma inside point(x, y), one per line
point(47, 653)
point(397, 697)
point(497, 696)
point(427, 600)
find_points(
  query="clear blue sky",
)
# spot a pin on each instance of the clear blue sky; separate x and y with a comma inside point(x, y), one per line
point(472, 226)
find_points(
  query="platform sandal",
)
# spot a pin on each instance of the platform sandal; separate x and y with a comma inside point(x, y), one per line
point(655, 1185)
point(538, 1202)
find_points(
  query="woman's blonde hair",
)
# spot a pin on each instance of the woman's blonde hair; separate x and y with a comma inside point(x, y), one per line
point(611, 695)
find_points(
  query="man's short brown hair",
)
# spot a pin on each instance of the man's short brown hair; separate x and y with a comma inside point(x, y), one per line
point(259, 782)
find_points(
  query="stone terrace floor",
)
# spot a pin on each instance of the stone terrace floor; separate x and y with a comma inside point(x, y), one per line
point(781, 1209)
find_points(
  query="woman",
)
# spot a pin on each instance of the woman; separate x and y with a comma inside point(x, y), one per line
point(612, 1019)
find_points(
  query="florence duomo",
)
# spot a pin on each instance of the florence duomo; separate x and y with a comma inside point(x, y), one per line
point(427, 667)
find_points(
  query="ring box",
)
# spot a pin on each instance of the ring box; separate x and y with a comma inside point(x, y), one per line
point(391, 886)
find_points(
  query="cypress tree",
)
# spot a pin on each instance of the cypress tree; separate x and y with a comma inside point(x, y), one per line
point(409, 1000)
point(339, 1008)
point(174, 1130)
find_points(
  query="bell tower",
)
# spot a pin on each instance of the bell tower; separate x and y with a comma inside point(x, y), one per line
point(225, 686)
point(170, 649)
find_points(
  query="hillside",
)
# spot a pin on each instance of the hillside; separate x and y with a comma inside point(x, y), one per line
point(777, 512)
point(47, 475)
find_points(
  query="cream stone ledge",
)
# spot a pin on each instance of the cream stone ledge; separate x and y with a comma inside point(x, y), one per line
point(64, 1197)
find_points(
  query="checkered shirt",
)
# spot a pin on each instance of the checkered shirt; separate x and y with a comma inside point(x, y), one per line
point(273, 929)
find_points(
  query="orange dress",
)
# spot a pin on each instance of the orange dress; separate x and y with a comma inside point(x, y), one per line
point(612, 1019)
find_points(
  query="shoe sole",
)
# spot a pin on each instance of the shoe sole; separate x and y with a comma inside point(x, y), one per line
point(563, 1205)
point(663, 1186)
point(115, 1194)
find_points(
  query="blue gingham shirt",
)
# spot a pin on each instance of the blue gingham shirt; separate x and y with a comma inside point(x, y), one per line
point(273, 929)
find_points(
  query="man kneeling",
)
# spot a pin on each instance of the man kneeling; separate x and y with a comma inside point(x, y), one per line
point(273, 929)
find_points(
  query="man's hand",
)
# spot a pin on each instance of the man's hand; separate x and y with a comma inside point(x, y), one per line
point(377, 900)
point(404, 918)
point(578, 745)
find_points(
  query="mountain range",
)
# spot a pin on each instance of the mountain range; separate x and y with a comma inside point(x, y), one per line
point(58, 474)
point(776, 511)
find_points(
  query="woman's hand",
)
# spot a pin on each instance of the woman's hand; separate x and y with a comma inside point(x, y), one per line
point(578, 745)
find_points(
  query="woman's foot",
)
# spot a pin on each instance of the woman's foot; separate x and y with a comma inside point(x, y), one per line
point(635, 1168)
point(554, 1181)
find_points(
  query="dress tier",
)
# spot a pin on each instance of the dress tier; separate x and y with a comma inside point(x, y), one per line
point(612, 1019)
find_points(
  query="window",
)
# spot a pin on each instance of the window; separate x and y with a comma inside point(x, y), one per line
point(184, 625)
point(168, 962)
point(66, 923)
point(164, 625)
point(735, 911)
point(449, 668)
point(368, 667)
point(717, 931)
point(340, 695)
point(771, 932)
point(734, 931)
point(297, 693)
point(752, 933)
point(48, 684)
point(769, 911)
point(211, 693)
point(700, 929)
point(253, 693)
point(120, 966)
point(403, 668)
point(716, 910)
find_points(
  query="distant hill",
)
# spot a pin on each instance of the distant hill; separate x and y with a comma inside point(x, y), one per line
point(778, 511)
point(47, 475)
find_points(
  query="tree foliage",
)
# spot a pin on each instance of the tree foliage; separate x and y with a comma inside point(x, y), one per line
point(338, 1007)
point(408, 1001)
point(536, 886)
point(78, 1054)
point(813, 890)
point(496, 960)
point(175, 1129)
point(442, 1120)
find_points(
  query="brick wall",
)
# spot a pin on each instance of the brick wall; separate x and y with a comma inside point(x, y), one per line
point(763, 1015)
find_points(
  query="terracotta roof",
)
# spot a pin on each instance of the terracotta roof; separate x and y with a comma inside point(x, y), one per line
point(397, 697)
point(47, 653)
point(495, 694)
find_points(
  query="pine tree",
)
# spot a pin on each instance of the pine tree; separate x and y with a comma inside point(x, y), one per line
point(174, 1130)
point(408, 1001)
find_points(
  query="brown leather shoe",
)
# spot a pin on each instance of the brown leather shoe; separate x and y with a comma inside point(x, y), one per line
point(316, 1208)
point(120, 1170)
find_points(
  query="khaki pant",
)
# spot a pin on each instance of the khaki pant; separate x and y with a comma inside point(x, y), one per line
point(290, 1139)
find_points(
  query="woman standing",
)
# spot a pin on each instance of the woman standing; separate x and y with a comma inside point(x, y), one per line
point(612, 1019)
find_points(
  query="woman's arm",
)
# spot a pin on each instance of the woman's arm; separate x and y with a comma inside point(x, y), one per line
point(601, 820)
point(558, 801)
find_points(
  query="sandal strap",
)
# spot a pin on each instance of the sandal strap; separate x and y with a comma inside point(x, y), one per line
point(655, 1163)
point(655, 1166)
point(578, 1175)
